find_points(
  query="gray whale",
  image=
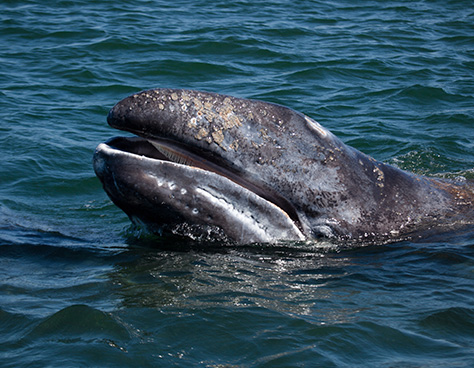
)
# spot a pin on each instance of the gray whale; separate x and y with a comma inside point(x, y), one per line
point(214, 166)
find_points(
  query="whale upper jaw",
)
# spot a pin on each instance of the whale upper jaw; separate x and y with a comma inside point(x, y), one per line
point(189, 198)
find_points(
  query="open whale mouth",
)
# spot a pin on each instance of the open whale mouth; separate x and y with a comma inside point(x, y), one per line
point(164, 150)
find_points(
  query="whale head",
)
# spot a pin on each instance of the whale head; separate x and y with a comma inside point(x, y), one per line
point(251, 171)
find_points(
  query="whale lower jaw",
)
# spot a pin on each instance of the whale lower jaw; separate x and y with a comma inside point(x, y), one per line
point(192, 193)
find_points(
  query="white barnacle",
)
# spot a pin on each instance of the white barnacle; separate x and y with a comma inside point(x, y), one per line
point(201, 134)
point(380, 176)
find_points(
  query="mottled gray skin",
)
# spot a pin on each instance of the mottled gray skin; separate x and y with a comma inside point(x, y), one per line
point(321, 186)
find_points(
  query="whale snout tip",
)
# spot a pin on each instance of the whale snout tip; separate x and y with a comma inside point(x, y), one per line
point(116, 116)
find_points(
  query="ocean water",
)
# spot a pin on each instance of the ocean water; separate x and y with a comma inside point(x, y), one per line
point(80, 287)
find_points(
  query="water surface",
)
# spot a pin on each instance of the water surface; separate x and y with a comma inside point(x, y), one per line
point(80, 287)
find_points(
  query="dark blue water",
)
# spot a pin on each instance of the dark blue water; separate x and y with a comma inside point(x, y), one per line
point(80, 287)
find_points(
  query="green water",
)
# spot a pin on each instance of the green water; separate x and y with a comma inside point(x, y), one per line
point(80, 287)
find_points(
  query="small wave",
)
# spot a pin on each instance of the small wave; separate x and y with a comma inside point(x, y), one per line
point(80, 321)
point(422, 94)
point(457, 322)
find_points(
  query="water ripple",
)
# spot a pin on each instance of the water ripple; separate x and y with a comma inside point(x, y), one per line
point(79, 287)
